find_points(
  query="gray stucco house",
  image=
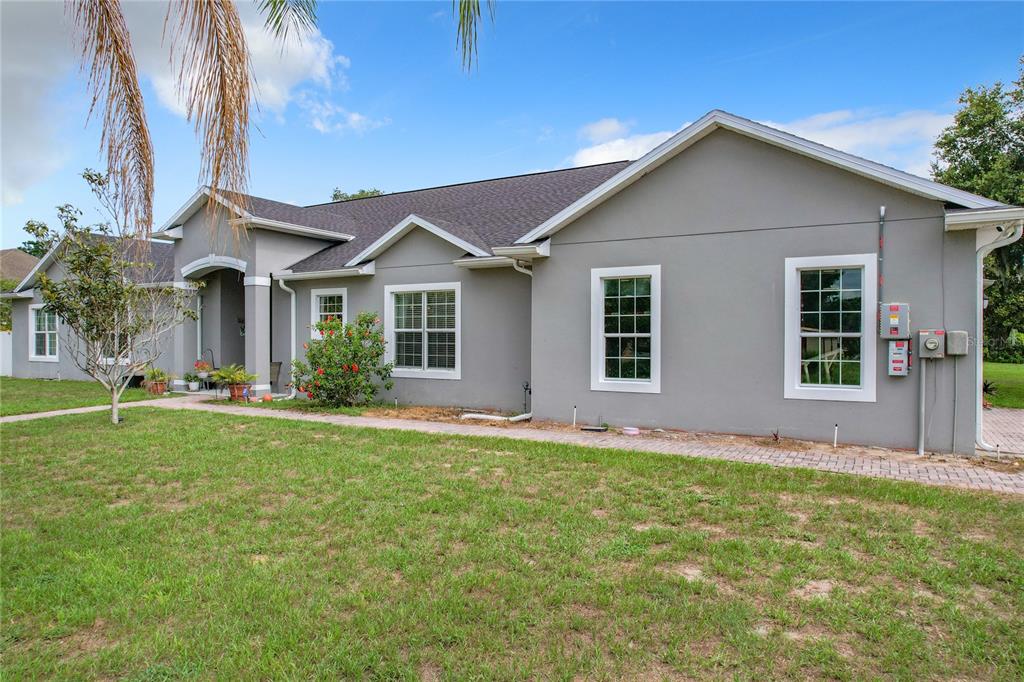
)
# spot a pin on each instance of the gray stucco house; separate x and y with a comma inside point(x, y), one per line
point(728, 281)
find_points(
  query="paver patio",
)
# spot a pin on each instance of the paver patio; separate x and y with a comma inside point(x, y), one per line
point(951, 473)
point(1004, 428)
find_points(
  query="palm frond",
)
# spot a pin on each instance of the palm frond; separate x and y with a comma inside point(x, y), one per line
point(106, 52)
point(283, 16)
point(469, 15)
point(215, 78)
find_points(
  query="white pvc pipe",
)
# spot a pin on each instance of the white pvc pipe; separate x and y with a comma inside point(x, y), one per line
point(1015, 234)
point(291, 395)
point(497, 417)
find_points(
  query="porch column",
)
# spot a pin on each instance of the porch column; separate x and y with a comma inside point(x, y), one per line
point(257, 332)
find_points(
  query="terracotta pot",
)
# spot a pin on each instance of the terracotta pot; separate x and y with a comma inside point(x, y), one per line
point(237, 390)
point(157, 387)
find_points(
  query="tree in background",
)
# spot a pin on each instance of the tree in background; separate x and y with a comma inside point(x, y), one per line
point(338, 195)
point(983, 152)
point(33, 247)
point(112, 316)
point(5, 304)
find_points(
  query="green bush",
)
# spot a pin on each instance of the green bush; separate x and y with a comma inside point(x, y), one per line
point(345, 366)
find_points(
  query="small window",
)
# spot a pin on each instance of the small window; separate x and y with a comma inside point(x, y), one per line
point(43, 344)
point(422, 325)
point(327, 303)
point(626, 324)
point(830, 346)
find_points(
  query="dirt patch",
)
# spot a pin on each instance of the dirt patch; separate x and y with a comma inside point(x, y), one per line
point(815, 588)
point(650, 525)
point(1006, 464)
point(429, 672)
point(785, 444)
point(599, 513)
point(117, 504)
point(684, 570)
point(87, 640)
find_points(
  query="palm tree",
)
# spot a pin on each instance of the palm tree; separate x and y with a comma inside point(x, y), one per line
point(213, 74)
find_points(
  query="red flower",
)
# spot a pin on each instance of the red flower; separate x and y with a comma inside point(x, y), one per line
point(317, 382)
point(344, 368)
point(320, 371)
point(349, 332)
point(330, 318)
point(330, 332)
point(309, 394)
point(302, 389)
point(306, 346)
point(355, 367)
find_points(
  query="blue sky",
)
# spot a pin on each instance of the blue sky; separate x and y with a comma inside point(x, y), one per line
point(378, 97)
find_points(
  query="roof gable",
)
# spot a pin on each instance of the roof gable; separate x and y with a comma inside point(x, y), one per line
point(720, 119)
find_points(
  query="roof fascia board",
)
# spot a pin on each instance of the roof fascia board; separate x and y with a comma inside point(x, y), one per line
point(291, 228)
point(719, 119)
point(401, 229)
point(17, 294)
point(525, 251)
point(359, 271)
point(192, 205)
point(974, 220)
point(482, 262)
point(43, 263)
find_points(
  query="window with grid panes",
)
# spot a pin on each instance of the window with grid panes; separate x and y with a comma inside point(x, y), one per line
point(627, 328)
point(44, 333)
point(424, 325)
point(831, 310)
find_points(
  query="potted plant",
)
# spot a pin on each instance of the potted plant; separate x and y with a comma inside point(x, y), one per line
point(156, 380)
point(193, 381)
point(202, 368)
point(235, 378)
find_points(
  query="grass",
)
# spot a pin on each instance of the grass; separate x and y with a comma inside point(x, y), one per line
point(193, 545)
point(21, 396)
point(1009, 382)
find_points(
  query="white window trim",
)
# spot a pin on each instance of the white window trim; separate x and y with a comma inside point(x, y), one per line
point(314, 307)
point(869, 342)
point(598, 382)
point(389, 331)
point(32, 337)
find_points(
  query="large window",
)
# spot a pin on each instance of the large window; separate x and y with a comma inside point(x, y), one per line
point(830, 309)
point(327, 303)
point(42, 334)
point(422, 324)
point(625, 329)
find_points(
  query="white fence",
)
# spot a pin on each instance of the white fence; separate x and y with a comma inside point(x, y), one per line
point(5, 354)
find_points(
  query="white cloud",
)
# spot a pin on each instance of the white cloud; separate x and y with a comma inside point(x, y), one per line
point(631, 147)
point(38, 56)
point(34, 62)
point(326, 117)
point(604, 130)
point(904, 140)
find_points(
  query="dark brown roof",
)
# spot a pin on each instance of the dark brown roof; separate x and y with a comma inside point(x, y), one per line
point(297, 215)
point(487, 213)
point(15, 264)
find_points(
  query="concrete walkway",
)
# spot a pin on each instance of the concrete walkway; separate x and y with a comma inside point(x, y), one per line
point(899, 467)
point(1004, 428)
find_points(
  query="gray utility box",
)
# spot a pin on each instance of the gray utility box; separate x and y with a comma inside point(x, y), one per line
point(899, 357)
point(931, 344)
point(894, 320)
point(957, 342)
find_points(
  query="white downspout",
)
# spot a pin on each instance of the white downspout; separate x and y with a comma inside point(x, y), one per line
point(1015, 234)
point(494, 417)
point(291, 292)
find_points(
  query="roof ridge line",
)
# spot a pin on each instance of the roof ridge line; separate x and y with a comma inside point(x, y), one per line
point(467, 182)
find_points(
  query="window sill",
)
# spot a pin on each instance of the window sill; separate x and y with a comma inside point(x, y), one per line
point(625, 386)
point(864, 394)
point(407, 373)
point(42, 358)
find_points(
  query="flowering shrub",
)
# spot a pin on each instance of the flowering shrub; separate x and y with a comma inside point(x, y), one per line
point(345, 365)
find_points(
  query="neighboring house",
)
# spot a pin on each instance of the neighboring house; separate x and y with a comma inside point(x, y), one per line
point(726, 281)
point(16, 264)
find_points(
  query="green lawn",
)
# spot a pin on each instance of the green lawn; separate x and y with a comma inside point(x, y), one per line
point(1009, 382)
point(21, 396)
point(193, 545)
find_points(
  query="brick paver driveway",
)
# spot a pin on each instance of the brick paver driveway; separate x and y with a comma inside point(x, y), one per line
point(1004, 428)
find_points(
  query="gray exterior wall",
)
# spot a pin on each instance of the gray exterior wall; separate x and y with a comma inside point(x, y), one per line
point(721, 218)
point(495, 322)
point(65, 367)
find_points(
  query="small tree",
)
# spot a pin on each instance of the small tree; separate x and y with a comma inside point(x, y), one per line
point(112, 317)
point(339, 195)
point(344, 366)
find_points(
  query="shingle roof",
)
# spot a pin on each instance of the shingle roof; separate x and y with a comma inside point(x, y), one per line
point(487, 213)
point(15, 264)
point(298, 215)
